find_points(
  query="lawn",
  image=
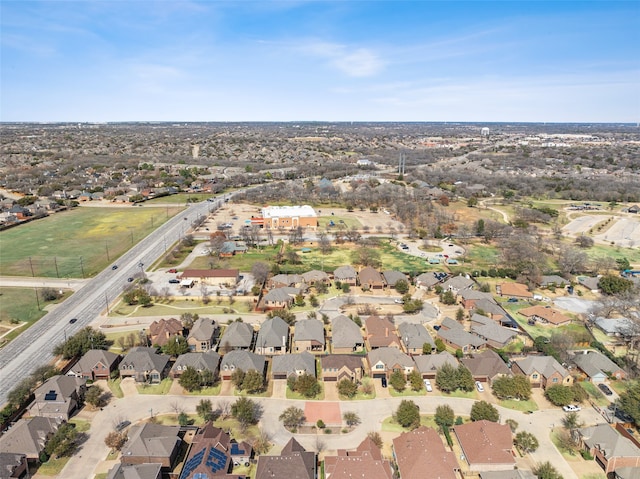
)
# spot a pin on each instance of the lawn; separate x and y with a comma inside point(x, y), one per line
point(407, 392)
point(77, 243)
point(176, 307)
point(162, 388)
point(349, 222)
point(114, 387)
point(529, 405)
point(481, 256)
point(616, 252)
point(52, 467)
point(295, 395)
point(390, 425)
point(179, 199)
point(594, 393)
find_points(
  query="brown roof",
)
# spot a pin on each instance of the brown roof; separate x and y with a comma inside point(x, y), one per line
point(488, 363)
point(548, 314)
point(381, 331)
point(293, 462)
point(210, 273)
point(160, 331)
point(341, 360)
point(422, 450)
point(515, 289)
point(370, 275)
point(485, 442)
point(365, 462)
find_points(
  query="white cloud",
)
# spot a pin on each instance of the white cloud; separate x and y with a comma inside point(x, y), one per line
point(354, 62)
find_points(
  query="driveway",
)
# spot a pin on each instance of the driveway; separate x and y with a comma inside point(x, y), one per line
point(279, 388)
point(128, 386)
point(331, 391)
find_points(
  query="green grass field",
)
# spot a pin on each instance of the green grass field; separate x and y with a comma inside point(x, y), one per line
point(77, 243)
point(178, 199)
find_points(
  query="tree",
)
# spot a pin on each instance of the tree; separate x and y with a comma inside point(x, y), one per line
point(188, 319)
point(190, 379)
point(464, 379)
point(347, 388)
point(50, 294)
point(376, 438)
point(526, 442)
point(292, 418)
point(507, 387)
point(253, 382)
point(546, 471)
point(447, 298)
point(512, 423)
point(81, 342)
point(115, 440)
point(572, 422)
point(63, 441)
point(408, 414)
point(446, 378)
point(611, 285)
point(630, 402)
point(415, 379)
point(440, 346)
point(427, 348)
point(398, 381)
point(351, 418)
point(307, 385)
point(459, 314)
point(183, 419)
point(176, 345)
point(93, 396)
point(205, 410)
point(559, 395)
point(483, 410)
point(246, 411)
point(402, 286)
point(444, 416)
point(237, 378)
point(472, 201)
point(260, 272)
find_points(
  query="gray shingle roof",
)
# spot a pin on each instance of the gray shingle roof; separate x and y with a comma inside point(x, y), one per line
point(199, 361)
point(144, 359)
point(609, 441)
point(546, 365)
point(272, 331)
point(432, 362)
point(281, 295)
point(345, 333)
point(457, 335)
point(93, 357)
point(487, 329)
point(594, 363)
point(237, 335)
point(309, 330)
point(390, 356)
point(344, 272)
point(29, 436)
point(203, 329)
point(245, 360)
point(294, 364)
point(151, 440)
point(414, 335)
point(135, 471)
point(392, 277)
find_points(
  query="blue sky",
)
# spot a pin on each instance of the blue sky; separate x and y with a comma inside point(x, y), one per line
point(554, 61)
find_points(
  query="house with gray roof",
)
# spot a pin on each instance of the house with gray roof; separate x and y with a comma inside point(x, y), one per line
point(280, 298)
point(346, 274)
point(486, 366)
point(308, 335)
point(95, 364)
point(616, 326)
point(597, 367)
point(553, 280)
point(288, 365)
point(590, 282)
point(627, 472)
point(346, 336)
point(384, 361)
point(273, 337)
point(29, 436)
point(202, 361)
point(414, 337)
point(293, 462)
point(316, 276)
point(542, 371)
point(453, 333)
point(428, 364)
point(392, 277)
point(152, 443)
point(58, 397)
point(203, 335)
point(12, 465)
point(489, 308)
point(237, 335)
point(456, 284)
point(135, 471)
point(144, 365)
point(610, 449)
point(285, 280)
point(241, 359)
point(495, 335)
point(429, 280)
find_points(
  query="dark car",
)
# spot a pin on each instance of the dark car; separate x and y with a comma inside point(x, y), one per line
point(115, 266)
point(512, 300)
point(384, 382)
point(130, 280)
point(174, 281)
point(605, 389)
point(73, 320)
point(121, 425)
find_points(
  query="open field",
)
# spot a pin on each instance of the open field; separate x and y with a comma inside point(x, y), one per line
point(77, 243)
point(178, 199)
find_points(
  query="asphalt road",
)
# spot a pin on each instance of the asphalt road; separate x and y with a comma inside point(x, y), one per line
point(34, 347)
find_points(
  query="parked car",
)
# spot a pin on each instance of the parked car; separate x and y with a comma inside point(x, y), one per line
point(121, 425)
point(479, 387)
point(174, 281)
point(512, 300)
point(384, 382)
point(115, 266)
point(172, 270)
point(605, 389)
point(427, 385)
point(129, 280)
point(398, 301)
point(571, 408)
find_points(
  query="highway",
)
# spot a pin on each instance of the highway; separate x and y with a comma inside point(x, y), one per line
point(34, 347)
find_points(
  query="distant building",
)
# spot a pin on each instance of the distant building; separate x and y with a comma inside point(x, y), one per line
point(274, 217)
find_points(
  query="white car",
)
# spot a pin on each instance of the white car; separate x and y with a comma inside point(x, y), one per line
point(427, 385)
point(479, 387)
point(571, 408)
point(398, 301)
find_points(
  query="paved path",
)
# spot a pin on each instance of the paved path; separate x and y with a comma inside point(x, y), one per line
point(27, 282)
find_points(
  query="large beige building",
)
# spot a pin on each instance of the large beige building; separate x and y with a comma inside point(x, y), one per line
point(287, 217)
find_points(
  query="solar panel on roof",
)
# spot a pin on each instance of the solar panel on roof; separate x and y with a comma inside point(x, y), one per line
point(235, 449)
point(51, 396)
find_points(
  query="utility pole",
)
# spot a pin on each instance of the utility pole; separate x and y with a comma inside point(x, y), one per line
point(106, 246)
point(31, 266)
point(37, 298)
point(82, 267)
point(55, 262)
point(106, 300)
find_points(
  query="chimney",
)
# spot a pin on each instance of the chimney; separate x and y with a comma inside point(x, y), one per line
point(386, 332)
point(284, 341)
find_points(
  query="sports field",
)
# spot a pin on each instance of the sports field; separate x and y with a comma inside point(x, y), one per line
point(77, 243)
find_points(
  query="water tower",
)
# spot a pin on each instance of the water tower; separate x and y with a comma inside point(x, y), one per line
point(484, 133)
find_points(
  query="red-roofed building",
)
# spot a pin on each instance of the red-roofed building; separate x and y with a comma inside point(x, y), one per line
point(365, 461)
point(514, 290)
point(421, 453)
point(486, 445)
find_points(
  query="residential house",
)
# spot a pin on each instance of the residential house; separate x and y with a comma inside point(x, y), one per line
point(13, 465)
point(514, 290)
point(385, 361)
point(453, 334)
point(346, 275)
point(635, 209)
point(152, 443)
point(221, 278)
point(135, 471)
point(486, 445)
point(365, 461)
point(420, 453)
point(370, 278)
point(391, 277)
point(232, 248)
point(241, 359)
point(315, 277)
point(381, 333)
point(336, 367)
point(144, 365)
point(616, 326)
point(201, 361)
point(280, 298)
point(486, 366)
point(285, 281)
point(597, 367)
point(553, 281)
point(609, 447)
point(237, 335)
point(346, 336)
point(627, 473)
point(214, 454)
point(495, 335)
point(162, 330)
point(542, 371)
point(428, 364)
point(95, 364)
point(293, 462)
point(456, 284)
point(203, 335)
point(429, 280)
point(308, 335)
point(590, 282)
point(545, 315)
point(414, 337)
point(491, 309)
point(293, 365)
point(29, 436)
point(273, 337)
point(58, 397)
